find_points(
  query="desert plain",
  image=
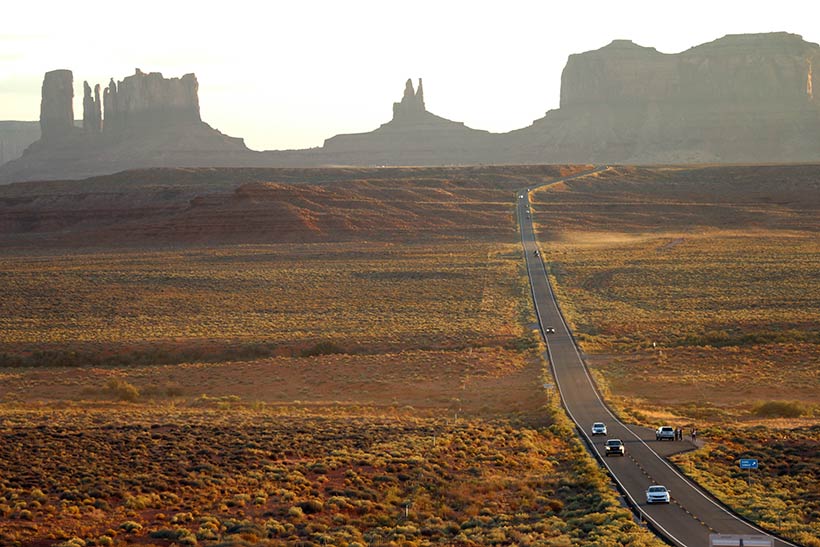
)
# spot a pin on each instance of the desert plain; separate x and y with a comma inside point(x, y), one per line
point(350, 356)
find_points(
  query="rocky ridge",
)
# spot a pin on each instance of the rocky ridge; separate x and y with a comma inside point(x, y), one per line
point(741, 98)
point(15, 137)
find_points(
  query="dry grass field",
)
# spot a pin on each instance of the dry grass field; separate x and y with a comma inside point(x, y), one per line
point(695, 295)
point(357, 297)
point(368, 391)
point(291, 476)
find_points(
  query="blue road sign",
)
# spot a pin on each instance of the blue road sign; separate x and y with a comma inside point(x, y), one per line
point(748, 464)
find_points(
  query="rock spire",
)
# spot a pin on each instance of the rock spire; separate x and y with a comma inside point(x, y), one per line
point(92, 109)
point(56, 106)
point(412, 103)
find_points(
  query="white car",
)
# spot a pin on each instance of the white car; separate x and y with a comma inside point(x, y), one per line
point(665, 432)
point(598, 428)
point(657, 494)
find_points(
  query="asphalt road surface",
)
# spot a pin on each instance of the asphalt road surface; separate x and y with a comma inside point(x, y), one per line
point(693, 515)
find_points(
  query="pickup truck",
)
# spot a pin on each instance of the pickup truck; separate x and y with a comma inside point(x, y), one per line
point(665, 433)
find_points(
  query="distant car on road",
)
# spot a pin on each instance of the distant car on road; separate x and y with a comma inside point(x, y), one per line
point(615, 447)
point(549, 330)
point(665, 433)
point(657, 494)
point(598, 428)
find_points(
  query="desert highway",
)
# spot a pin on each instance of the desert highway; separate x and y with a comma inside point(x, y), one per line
point(693, 515)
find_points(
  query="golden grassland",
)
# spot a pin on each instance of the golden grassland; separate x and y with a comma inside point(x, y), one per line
point(267, 299)
point(346, 395)
point(695, 299)
point(183, 476)
point(782, 496)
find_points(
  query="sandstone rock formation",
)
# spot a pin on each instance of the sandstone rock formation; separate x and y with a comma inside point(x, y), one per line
point(740, 98)
point(146, 102)
point(92, 109)
point(149, 121)
point(413, 137)
point(412, 103)
point(56, 106)
point(16, 136)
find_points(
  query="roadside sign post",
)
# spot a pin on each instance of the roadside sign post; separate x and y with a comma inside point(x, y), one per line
point(748, 464)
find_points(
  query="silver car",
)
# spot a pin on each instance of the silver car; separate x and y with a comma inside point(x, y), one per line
point(657, 494)
point(598, 428)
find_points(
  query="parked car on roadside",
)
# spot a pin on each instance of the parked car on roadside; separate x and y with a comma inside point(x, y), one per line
point(665, 433)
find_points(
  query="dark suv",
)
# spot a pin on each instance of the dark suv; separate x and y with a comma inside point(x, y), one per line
point(615, 447)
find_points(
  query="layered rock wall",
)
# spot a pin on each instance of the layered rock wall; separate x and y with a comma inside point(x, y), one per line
point(742, 98)
point(758, 69)
point(150, 101)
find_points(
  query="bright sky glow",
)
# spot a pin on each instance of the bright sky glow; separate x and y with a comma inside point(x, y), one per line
point(289, 74)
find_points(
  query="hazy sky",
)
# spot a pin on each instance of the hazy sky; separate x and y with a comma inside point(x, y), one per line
point(288, 74)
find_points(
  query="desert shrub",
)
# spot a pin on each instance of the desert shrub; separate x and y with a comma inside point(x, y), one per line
point(179, 535)
point(322, 348)
point(311, 507)
point(244, 527)
point(224, 401)
point(172, 534)
point(122, 390)
point(130, 526)
point(780, 409)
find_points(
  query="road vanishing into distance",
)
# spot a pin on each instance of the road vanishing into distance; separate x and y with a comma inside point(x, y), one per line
point(693, 514)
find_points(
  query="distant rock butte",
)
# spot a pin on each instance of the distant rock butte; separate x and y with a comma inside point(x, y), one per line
point(741, 98)
point(145, 102)
point(413, 137)
point(145, 120)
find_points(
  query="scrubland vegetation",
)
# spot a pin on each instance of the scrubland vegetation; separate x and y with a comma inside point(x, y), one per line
point(370, 392)
point(293, 477)
point(782, 495)
point(241, 302)
point(315, 394)
point(694, 294)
